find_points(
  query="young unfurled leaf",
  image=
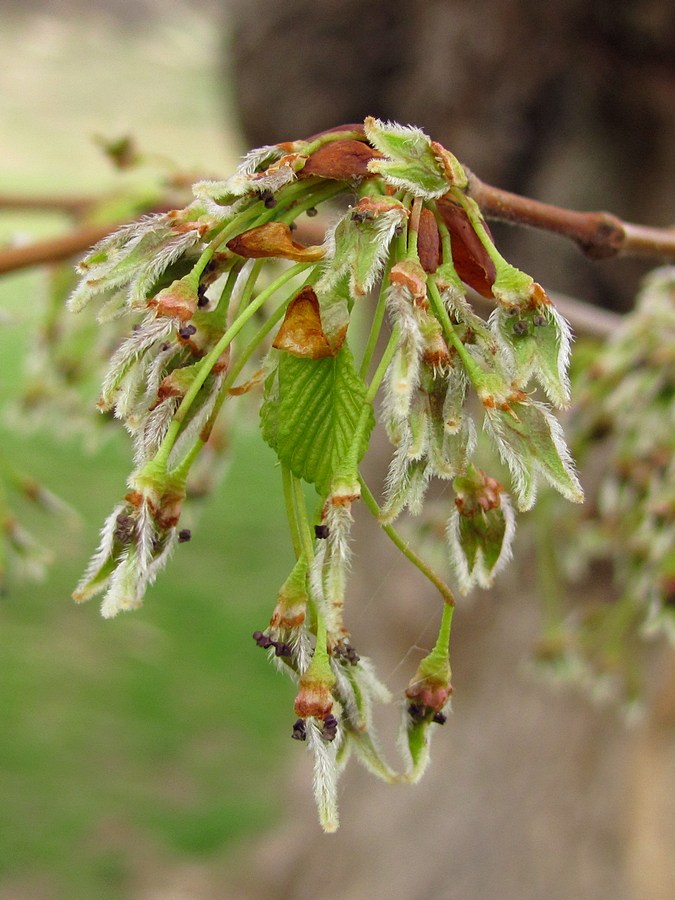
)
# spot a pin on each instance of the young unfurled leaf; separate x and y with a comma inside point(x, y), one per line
point(136, 254)
point(427, 696)
point(480, 529)
point(301, 332)
point(530, 441)
point(290, 611)
point(309, 418)
point(410, 162)
point(538, 339)
point(359, 243)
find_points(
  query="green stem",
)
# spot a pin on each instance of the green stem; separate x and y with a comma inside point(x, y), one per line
point(291, 512)
point(406, 550)
point(333, 136)
point(414, 226)
point(376, 326)
point(212, 357)
point(475, 216)
point(311, 199)
point(303, 520)
point(351, 460)
point(249, 287)
point(202, 262)
point(474, 371)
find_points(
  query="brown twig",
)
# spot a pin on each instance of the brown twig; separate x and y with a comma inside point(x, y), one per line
point(73, 206)
point(57, 249)
point(599, 235)
point(53, 249)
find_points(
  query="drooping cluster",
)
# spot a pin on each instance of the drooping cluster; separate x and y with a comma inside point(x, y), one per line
point(624, 419)
point(231, 299)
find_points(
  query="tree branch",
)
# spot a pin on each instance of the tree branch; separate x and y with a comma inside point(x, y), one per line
point(599, 235)
point(53, 250)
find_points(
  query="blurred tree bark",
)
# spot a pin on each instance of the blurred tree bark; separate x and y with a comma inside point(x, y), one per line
point(530, 794)
point(567, 101)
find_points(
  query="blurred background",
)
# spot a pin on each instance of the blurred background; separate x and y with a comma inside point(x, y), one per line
point(148, 757)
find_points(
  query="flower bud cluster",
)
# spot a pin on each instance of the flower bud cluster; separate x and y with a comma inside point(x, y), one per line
point(412, 235)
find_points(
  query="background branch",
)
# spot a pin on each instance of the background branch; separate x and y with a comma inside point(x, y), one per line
point(599, 235)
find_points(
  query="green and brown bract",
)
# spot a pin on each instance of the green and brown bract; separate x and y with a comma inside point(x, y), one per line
point(227, 297)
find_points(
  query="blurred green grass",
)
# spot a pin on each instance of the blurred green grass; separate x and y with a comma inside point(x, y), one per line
point(160, 734)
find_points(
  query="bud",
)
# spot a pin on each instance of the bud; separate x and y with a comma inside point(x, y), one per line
point(480, 529)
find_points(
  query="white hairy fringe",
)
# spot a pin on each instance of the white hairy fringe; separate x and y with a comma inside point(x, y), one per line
point(151, 430)
point(455, 397)
point(374, 128)
point(125, 587)
point(480, 574)
point(456, 304)
point(405, 486)
point(244, 180)
point(325, 776)
point(413, 773)
point(335, 565)
point(557, 388)
point(381, 235)
point(376, 132)
point(565, 339)
point(132, 577)
point(258, 157)
point(385, 226)
point(148, 273)
point(102, 553)
point(344, 689)
point(522, 476)
point(523, 472)
point(101, 277)
point(146, 534)
point(402, 377)
point(152, 330)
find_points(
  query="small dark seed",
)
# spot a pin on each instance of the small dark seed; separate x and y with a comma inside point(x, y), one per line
point(312, 211)
point(164, 348)
point(202, 299)
point(184, 535)
point(293, 226)
point(321, 531)
point(440, 718)
point(281, 649)
point(539, 321)
point(520, 327)
point(187, 331)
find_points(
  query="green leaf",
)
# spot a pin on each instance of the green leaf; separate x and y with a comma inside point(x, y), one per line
point(411, 163)
point(310, 415)
point(538, 339)
point(416, 739)
point(361, 243)
point(530, 441)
